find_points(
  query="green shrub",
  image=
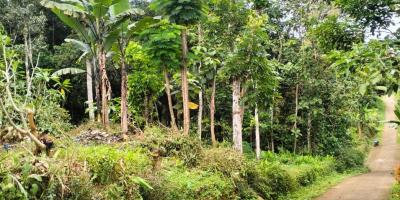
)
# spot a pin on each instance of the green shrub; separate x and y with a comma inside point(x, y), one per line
point(349, 158)
point(270, 180)
point(167, 144)
point(53, 119)
point(232, 165)
point(224, 160)
point(109, 163)
point(191, 185)
point(395, 194)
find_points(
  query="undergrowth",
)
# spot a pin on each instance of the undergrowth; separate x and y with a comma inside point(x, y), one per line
point(163, 165)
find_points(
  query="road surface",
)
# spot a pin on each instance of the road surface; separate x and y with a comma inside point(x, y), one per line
point(382, 160)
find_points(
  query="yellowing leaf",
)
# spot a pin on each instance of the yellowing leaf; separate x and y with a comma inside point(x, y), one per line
point(193, 106)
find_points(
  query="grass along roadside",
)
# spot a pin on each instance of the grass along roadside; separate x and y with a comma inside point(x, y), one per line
point(322, 185)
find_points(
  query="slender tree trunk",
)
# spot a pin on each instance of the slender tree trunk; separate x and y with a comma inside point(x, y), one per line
point(257, 124)
point(89, 86)
point(272, 129)
point(236, 115)
point(27, 70)
point(200, 113)
point(212, 113)
point(124, 97)
point(185, 84)
point(169, 97)
point(146, 109)
point(309, 132)
point(295, 118)
point(105, 89)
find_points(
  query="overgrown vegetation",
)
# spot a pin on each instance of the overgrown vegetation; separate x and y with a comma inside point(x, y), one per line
point(138, 169)
point(284, 95)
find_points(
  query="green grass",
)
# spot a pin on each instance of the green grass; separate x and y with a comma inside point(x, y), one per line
point(381, 110)
point(321, 185)
point(395, 194)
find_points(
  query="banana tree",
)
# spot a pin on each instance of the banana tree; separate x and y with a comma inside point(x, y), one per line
point(96, 22)
point(89, 59)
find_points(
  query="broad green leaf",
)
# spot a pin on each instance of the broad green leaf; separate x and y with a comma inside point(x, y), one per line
point(36, 177)
point(66, 71)
point(381, 88)
point(79, 44)
point(363, 89)
point(71, 22)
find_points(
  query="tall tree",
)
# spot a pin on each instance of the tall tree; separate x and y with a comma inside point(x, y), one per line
point(96, 23)
point(162, 41)
point(184, 13)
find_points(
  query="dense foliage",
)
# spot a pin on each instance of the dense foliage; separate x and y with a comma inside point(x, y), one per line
point(191, 99)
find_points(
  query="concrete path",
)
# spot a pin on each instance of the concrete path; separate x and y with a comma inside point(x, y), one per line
point(382, 160)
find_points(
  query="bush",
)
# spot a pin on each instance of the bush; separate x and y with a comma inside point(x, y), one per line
point(270, 180)
point(58, 117)
point(168, 144)
point(225, 160)
point(348, 159)
point(395, 194)
point(191, 185)
point(232, 165)
point(109, 163)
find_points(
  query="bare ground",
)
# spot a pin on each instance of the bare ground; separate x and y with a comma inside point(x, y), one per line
point(382, 160)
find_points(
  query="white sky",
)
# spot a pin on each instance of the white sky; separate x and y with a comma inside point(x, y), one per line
point(381, 34)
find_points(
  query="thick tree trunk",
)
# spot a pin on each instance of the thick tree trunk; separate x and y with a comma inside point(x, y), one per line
point(257, 124)
point(295, 118)
point(169, 97)
point(185, 84)
point(212, 113)
point(236, 116)
point(309, 132)
point(89, 87)
point(105, 89)
point(97, 83)
point(124, 97)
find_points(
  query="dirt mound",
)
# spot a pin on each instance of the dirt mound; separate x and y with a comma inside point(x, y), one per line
point(98, 137)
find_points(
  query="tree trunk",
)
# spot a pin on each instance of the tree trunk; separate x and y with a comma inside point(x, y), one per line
point(89, 87)
point(257, 124)
point(105, 89)
point(200, 113)
point(124, 97)
point(146, 109)
point(236, 116)
point(185, 84)
point(212, 113)
point(295, 118)
point(169, 97)
point(309, 132)
point(97, 83)
point(27, 72)
point(272, 129)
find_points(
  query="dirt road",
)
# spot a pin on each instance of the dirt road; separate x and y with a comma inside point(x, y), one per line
point(376, 184)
